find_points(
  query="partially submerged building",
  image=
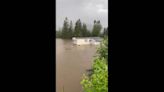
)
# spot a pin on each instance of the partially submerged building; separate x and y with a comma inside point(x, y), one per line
point(86, 40)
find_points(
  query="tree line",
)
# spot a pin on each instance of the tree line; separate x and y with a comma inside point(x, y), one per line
point(80, 30)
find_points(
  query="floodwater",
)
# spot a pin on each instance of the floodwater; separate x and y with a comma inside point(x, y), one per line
point(72, 62)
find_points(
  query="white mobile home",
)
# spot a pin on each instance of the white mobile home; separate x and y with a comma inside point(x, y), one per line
point(86, 40)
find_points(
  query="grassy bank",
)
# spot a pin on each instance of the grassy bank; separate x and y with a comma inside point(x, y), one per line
point(98, 81)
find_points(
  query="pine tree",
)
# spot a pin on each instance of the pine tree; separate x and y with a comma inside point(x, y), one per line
point(78, 29)
point(70, 30)
point(96, 28)
point(84, 30)
point(88, 33)
point(65, 28)
point(58, 33)
point(105, 32)
point(99, 27)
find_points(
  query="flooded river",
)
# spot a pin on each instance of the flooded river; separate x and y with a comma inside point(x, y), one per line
point(72, 62)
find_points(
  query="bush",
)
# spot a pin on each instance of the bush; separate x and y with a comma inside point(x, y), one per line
point(98, 81)
point(103, 49)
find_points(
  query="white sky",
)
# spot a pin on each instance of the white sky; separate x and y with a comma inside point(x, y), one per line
point(86, 10)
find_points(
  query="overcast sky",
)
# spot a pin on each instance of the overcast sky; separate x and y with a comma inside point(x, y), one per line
point(86, 10)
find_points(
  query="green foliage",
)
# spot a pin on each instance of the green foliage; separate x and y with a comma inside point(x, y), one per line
point(59, 33)
point(98, 81)
point(70, 34)
point(96, 28)
point(65, 29)
point(88, 34)
point(84, 30)
point(105, 32)
point(80, 30)
point(103, 49)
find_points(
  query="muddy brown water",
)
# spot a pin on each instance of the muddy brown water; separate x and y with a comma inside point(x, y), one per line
point(71, 63)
